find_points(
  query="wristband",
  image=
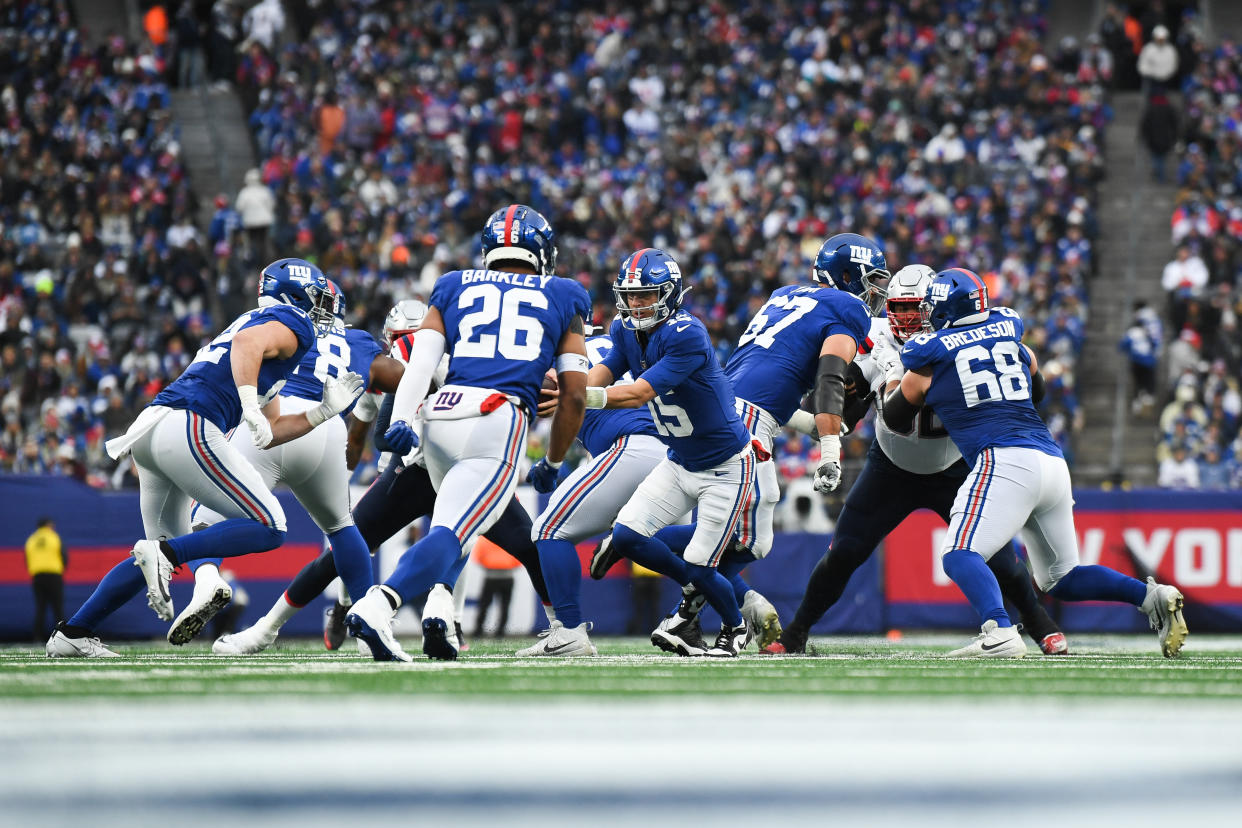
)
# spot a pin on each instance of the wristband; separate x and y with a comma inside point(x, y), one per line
point(556, 464)
point(830, 448)
point(317, 415)
point(572, 363)
point(249, 396)
point(596, 396)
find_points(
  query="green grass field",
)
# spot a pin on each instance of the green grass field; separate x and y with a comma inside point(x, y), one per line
point(1100, 667)
point(867, 731)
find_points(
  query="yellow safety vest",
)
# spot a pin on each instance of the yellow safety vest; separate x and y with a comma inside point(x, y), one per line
point(43, 553)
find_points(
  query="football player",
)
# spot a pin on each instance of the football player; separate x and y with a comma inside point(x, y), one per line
point(625, 448)
point(903, 473)
point(710, 462)
point(504, 328)
point(401, 494)
point(973, 370)
point(802, 339)
point(182, 455)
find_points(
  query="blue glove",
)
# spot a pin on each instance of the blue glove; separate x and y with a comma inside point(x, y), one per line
point(543, 476)
point(401, 437)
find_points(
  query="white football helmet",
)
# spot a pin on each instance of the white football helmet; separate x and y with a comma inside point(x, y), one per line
point(404, 318)
point(906, 291)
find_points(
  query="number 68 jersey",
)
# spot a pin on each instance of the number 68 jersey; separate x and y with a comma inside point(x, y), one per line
point(502, 329)
point(981, 384)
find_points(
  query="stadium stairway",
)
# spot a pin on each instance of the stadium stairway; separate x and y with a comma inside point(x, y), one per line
point(100, 18)
point(215, 143)
point(1117, 444)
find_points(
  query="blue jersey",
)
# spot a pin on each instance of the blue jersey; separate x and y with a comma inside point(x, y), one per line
point(603, 427)
point(693, 410)
point(981, 385)
point(207, 386)
point(502, 329)
point(338, 352)
point(777, 357)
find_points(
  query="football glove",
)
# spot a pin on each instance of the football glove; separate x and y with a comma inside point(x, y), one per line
point(255, 419)
point(828, 475)
point(339, 394)
point(543, 476)
point(401, 437)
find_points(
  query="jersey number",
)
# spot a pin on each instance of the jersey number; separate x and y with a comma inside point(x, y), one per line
point(670, 420)
point(212, 353)
point(762, 331)
point(507, 307)
point(1007, 380)
point(333, 359)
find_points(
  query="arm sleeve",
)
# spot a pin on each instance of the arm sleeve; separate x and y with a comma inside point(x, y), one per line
point(382, 420)
point(417, 377)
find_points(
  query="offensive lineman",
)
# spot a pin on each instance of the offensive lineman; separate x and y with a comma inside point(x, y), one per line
point(903, 473)
point(504, 328)
point(973, 369)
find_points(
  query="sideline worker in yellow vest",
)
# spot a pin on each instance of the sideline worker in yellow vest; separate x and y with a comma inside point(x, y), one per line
point(46, 559)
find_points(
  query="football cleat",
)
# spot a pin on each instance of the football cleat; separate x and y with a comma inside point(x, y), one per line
point(157, 571)
point(462, 643)
point(1163, 606)
point(1054, 644)
point(762, 617)
point(249, 641)
point(994, 641)
point(62, 646)
point(603, 559)
point(561, 641)
point(438, 642)
point(334, 625)
point(371, 620)
point(791, 642)
point(680, 632)
point(209, 598)
point(731, 641)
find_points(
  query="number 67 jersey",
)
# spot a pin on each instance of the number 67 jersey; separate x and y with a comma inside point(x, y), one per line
point(502, 329)
point(981, 384)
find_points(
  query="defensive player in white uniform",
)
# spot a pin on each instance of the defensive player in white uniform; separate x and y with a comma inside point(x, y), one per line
point(973, 369)
point(504, 328)
point(710, 462)
point(624, 449)
point(314, 468)
point(802, 339)
point(903, 473)
point(181, 453)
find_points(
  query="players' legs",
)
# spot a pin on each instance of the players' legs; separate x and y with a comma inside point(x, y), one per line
point(755, 530)
point(512, 533)
point(666, 494)
point(584, 505)
point(722, 499)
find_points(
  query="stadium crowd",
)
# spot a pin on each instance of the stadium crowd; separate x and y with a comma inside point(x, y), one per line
point(736, 135)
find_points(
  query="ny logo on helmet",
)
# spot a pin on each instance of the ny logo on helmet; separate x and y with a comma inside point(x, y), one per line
point(860, 254)
point(940, 291)
point(301, 272)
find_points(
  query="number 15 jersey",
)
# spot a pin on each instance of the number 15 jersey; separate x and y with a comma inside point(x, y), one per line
point(981, 385)
point(693, 409)
point(502, 329)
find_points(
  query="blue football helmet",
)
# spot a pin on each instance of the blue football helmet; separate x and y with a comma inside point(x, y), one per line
point(520, 233)
point(955, 297)
point(648, 271)
point(854, 264)
point(339, 311)
point(299, 283)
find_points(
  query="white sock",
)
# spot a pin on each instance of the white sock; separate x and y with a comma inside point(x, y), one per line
point(550, 612)
point(280, 613)
point(208, 573)
point(342, 594)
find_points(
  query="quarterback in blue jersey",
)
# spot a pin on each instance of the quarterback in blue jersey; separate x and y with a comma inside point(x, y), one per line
point(182, 455)
point(710, 461)
point(973, 369)
point(803, 339)
point(625, 448)
point(504, 327)
point(903, 473)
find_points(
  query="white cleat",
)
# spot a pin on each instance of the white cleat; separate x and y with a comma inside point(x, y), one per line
point(62, 646)
point(1163, 606)
point(994, 642)
point(249, 641)
point(561, 641)
point(762, 618)
point(210, 596)
point(440, 640)
point(157, 570)
point(371, 621)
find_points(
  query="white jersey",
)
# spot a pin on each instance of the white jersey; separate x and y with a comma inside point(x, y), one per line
point(925, 450)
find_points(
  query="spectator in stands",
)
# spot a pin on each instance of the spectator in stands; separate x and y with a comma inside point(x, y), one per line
point(1143, 353)
point(222, 40)
point(46, 560)
point(1159, 129)
point(1214, 471)
point(1157, 62)
point(1178, 471)
point(191, 63)
point(257, 207)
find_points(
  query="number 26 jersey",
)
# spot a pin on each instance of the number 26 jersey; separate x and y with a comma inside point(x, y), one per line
point(981, 385)
point(502, 329)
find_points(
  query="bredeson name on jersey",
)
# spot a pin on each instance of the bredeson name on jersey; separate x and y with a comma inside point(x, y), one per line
point(992, 330)
point(529, 280)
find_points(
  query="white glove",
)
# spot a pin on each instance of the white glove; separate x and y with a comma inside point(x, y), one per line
point(828, 475)
point(256, 420)
point(339, 394)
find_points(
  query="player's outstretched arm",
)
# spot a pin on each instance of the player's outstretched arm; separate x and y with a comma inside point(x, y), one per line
point(271, 340)
point(429, 347)
point(356, 441)
point(835, 356)
point(571, 377)
point(339, 394)
point(902, 405)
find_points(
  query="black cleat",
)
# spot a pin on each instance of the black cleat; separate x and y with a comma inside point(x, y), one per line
point(334, 625)
point(603, 558)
